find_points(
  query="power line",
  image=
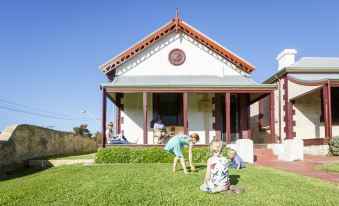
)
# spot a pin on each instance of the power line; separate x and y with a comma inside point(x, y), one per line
point(36, 114)
point(37, 109)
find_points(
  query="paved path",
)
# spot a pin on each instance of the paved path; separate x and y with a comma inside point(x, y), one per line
point(306, 167)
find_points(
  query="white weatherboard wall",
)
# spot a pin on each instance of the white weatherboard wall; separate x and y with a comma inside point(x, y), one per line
point(199, 59)
point(133, 117)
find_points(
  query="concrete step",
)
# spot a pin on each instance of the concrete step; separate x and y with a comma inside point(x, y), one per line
point(259, 146)
point(56, 163)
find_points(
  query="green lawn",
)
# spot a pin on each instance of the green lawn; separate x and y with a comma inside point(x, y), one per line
point(155, 184)
point(333, 167)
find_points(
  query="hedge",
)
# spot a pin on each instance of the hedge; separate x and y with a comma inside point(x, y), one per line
point(149, 155)
point(334, 146)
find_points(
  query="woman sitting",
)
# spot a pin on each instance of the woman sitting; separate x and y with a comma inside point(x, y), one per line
point(114, 138)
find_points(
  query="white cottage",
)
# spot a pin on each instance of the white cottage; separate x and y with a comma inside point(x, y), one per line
point(194, 83)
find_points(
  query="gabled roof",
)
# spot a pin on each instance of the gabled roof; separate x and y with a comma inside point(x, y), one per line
point(316, 62)
point(176, 25)
point(307, 66)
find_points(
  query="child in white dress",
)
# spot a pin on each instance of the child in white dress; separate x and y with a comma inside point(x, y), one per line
point(217, 178)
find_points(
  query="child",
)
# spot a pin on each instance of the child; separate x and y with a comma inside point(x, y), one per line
point(174, 146)
point(216, 178)
point(237, 162)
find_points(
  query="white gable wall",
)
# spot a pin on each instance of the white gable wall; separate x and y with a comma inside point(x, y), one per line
point(199, 59)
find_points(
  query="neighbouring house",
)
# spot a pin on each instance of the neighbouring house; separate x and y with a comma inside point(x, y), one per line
point(194, 83)
point(306, 101)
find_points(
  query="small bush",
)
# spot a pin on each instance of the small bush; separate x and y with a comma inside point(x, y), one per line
point(149, 155)
point(334, 146)
point(82, 130)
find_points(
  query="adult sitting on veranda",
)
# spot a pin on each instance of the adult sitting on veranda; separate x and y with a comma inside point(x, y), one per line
point(114, 138)
point(160, 130)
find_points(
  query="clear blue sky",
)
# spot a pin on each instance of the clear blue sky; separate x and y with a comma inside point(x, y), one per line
point(50, 50)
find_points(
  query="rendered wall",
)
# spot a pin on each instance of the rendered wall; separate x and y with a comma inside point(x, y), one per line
point(199, 120)
point(133, 117)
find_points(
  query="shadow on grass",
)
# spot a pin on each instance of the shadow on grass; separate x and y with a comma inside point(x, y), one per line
point(234, 179)
point(25, 171)
point(199, 167)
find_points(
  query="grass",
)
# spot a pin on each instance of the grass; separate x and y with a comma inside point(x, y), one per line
point(156, 184)
point(73, 157)
point(333, 167)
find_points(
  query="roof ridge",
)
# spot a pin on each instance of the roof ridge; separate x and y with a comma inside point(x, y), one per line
point(320, 58)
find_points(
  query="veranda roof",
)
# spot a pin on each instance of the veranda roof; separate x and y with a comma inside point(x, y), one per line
point(184, 81)
point(315, 76)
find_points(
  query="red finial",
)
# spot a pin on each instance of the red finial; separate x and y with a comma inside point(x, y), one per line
point(177, 13)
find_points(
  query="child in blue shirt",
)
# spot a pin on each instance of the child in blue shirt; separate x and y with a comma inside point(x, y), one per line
point(237, 162)
point(174, 146)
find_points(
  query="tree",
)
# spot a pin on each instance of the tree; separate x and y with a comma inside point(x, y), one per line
point(82, 130)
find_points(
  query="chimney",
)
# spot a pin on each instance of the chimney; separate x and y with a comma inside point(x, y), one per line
point(286, 58)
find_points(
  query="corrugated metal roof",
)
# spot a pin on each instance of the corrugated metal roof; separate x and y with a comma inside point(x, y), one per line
point(316, 62)
point(315, 76)
point(182, 80)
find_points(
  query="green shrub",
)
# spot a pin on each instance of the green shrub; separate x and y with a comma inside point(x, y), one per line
point(149, 155)
point(334, 146)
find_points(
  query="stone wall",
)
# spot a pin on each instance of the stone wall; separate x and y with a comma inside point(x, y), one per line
point(21, 142)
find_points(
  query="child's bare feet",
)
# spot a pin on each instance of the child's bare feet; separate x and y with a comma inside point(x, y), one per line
point(173, 170)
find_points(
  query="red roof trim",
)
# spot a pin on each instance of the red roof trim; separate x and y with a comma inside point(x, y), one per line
point(176, 24)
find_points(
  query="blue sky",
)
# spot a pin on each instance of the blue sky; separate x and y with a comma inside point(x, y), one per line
point(50, 50)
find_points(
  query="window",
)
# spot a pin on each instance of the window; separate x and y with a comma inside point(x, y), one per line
point(334, 105)
point(169, 107)
point(264, 112)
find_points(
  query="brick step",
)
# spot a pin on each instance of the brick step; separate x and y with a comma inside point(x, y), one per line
point(263, 152)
